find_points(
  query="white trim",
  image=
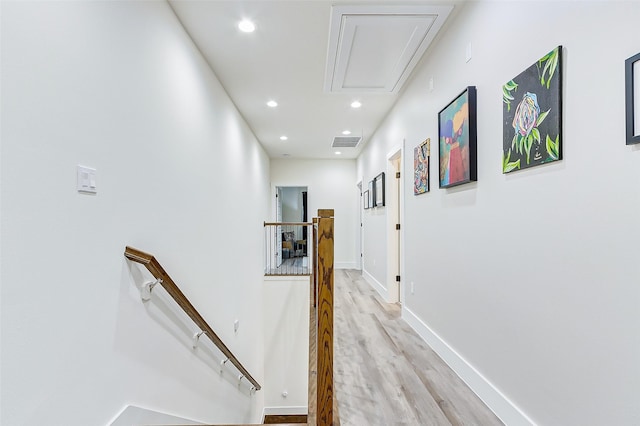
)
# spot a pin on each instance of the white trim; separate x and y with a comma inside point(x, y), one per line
point(346, 265)
point(393, 216)
point(394, 153)
point(405, 167)
point(342, 30)
point(360, 225)
point(506, 410)
point(284, 411)
point(375, 284)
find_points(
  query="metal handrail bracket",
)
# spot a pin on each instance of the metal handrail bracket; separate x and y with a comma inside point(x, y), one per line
point(162, 278)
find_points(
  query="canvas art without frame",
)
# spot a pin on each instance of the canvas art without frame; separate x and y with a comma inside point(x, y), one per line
point(532, 115)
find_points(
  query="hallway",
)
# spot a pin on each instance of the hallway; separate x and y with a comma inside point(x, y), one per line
point(385, 374)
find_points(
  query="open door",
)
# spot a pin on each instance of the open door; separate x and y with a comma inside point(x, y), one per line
point(279, 228)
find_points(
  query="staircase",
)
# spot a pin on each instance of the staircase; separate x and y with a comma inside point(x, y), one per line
point(285, 419)
point(322, 406)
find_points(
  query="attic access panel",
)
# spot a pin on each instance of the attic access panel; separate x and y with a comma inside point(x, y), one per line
point(374, 49)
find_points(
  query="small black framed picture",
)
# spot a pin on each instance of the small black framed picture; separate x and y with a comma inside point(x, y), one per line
point(632, 98)
point(379, 190)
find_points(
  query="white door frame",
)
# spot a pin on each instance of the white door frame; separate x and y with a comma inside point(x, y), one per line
point(394, 202)
point(360, 233)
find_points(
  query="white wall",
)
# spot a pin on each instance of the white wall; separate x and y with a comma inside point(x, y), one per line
point(528, 280)
point(376, 221)
point(133, 415)
point(331, 184)
point(120, 87)
point(286, 336)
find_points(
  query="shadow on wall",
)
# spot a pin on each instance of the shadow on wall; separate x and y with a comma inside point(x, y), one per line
point(144, 326)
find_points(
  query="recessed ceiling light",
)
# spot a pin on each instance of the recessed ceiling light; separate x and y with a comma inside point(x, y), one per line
point(246, 26)
point(346, 132)
point(272, 104)
point(338, 153)
point(356, 104)
point(283, 138)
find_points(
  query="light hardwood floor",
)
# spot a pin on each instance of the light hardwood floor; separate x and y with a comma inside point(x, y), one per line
point(385, 374)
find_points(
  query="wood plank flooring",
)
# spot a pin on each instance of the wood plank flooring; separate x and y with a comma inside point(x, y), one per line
point(385, 374)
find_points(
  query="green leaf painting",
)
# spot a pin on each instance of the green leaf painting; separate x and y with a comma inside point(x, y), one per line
point(532, 114)
point(550, 61)
point(553, 147)
point(508, 165)
point(506, 93)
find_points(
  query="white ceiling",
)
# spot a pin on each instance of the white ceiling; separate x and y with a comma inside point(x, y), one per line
point(285, 60)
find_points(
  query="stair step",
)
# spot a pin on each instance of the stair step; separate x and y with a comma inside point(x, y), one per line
point(286, 418)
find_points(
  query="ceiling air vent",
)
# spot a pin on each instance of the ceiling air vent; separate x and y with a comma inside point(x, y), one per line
point(346, 141)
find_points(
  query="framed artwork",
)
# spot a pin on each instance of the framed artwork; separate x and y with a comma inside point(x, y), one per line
point(421, 167)
point(632, 98)
point(457, 135)
point(379, 190)
point(366, 199)
point(372, 194)
point(532, 115)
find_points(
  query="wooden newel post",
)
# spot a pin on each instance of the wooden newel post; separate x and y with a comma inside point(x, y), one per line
point(325, 317)
point(315, 263)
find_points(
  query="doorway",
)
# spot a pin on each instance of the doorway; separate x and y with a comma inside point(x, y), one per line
point(291, 206)
point(394, 229)
point(360, 240)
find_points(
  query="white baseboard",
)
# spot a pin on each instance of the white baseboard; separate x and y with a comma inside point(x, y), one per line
point(346, 265)
point(285, 411)
point(506, 410)
point(382, 290)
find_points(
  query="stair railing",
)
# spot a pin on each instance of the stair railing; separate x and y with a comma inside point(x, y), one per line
point(287, 248)
point(162, 278)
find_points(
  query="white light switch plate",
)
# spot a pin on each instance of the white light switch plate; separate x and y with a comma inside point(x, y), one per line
point(87, 180)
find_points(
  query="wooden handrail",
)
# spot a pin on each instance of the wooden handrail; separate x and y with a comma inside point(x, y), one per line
point(154, 267)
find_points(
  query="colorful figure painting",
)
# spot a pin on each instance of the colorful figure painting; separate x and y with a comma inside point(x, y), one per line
point(421, 167)
point(532, 115)
point(457, 137)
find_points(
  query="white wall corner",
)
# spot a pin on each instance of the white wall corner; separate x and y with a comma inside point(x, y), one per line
point(377, 286)
point(497, 402)
point(346, 265)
